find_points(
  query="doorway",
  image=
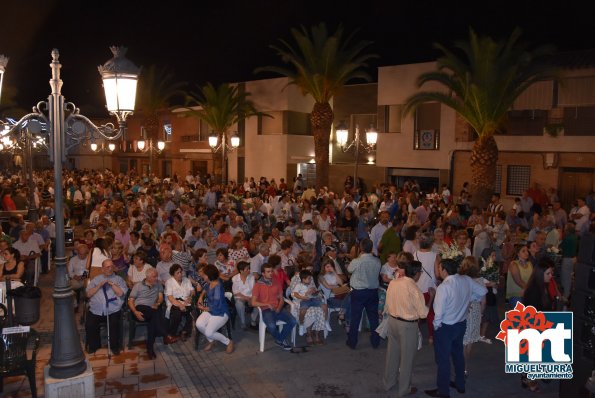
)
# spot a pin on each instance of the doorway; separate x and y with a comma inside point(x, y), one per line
point(575, 183)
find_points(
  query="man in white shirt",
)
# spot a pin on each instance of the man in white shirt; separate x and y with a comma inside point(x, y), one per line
point(29, 249)
point(242, 285)
point(76, 269)
point(451, 305)
point(581, 216)
point(378, 231)
point(260, 258)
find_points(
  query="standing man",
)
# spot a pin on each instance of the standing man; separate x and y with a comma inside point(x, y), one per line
point(106, 295)
point(391, 240)
point(405, 304)
point(451, 305)
point(378, 230)
point(269, 297)
point(364, 281)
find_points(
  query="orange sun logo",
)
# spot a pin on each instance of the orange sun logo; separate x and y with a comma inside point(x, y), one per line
point(521, 318)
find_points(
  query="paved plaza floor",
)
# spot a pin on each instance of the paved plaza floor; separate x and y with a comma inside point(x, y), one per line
point(332, 370)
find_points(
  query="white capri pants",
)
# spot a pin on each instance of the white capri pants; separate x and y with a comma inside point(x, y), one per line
point(209, 325)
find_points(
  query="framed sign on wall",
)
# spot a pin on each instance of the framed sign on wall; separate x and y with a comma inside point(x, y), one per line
point(426, 140)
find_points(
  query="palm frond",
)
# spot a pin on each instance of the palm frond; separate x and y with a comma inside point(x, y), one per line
point(483, 78)
point(320, 64)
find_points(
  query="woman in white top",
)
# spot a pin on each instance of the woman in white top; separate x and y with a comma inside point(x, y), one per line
point(323, 220)
point(439, 245)
point(483, 237)
point(138, 268)
point(329, 279)
point(306, 213)
point(179, 292)
point(427, 280)
point(100, 253)
point(389, 269)
point(134, 243)
point(242, 285)
point(411, 244)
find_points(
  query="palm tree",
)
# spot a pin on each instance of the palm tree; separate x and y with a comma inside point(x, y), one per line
point(157, 90)
point(320, 65)
point(222, 107)
point(482, 81)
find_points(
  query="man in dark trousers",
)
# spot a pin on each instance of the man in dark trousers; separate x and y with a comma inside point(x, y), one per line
point(364, 272)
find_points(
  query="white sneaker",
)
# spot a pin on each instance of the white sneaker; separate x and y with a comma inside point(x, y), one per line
point(485, 340)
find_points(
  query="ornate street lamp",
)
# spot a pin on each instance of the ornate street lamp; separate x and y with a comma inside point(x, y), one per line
point(145, 146)
point(342, 132)
point(3, 63)
point(224, 147)
point(67, 128)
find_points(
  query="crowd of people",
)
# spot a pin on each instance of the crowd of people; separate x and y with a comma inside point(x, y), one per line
point(185, 253)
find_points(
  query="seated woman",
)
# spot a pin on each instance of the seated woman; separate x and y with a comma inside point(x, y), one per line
point(216, 311)
point(242, 285)
point(329, 280)
point(179, 292)
point(307, 295)
point(120, 259)
point(138, 269)
point(314, 319)
point(13, 268)
point(225, 266)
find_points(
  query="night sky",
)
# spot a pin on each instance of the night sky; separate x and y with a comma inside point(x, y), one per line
point(222, 40)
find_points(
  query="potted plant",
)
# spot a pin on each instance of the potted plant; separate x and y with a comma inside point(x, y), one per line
point(553, 129)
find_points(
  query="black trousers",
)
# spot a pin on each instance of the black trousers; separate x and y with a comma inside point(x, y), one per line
point(93, 332)
point(175, 318)
point(156, 325)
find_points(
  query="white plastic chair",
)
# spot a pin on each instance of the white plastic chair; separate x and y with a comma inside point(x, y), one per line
point(262, 330)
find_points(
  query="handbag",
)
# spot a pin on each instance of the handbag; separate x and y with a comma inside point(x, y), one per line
point(341, 291)
point(382, 328)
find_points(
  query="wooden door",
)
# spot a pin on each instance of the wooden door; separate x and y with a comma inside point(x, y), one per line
point(575, 183)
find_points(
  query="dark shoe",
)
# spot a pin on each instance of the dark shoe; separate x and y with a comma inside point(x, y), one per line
point(349, 345)
point(412, 391)
point(169, 339)
point(91, 352)
point(459, 390)
point(283, 345)
point(116, 351)
point(151, 355)
point(184, 336)
point(435, 393)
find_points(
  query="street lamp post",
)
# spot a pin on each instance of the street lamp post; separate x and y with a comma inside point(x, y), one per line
point(357, 144)
point(3, 63)
point(143, 147)
point(69, 128)
point(224, 147)
point(110, 148)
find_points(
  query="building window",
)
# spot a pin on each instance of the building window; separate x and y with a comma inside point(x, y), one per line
point(527, 122)
point(579, 121)
point(389, 118)
point(498, 183)
point(517, 180)
point(427, 127)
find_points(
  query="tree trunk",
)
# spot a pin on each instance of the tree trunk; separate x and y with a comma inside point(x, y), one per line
point(321, 119)
point(484, 158)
